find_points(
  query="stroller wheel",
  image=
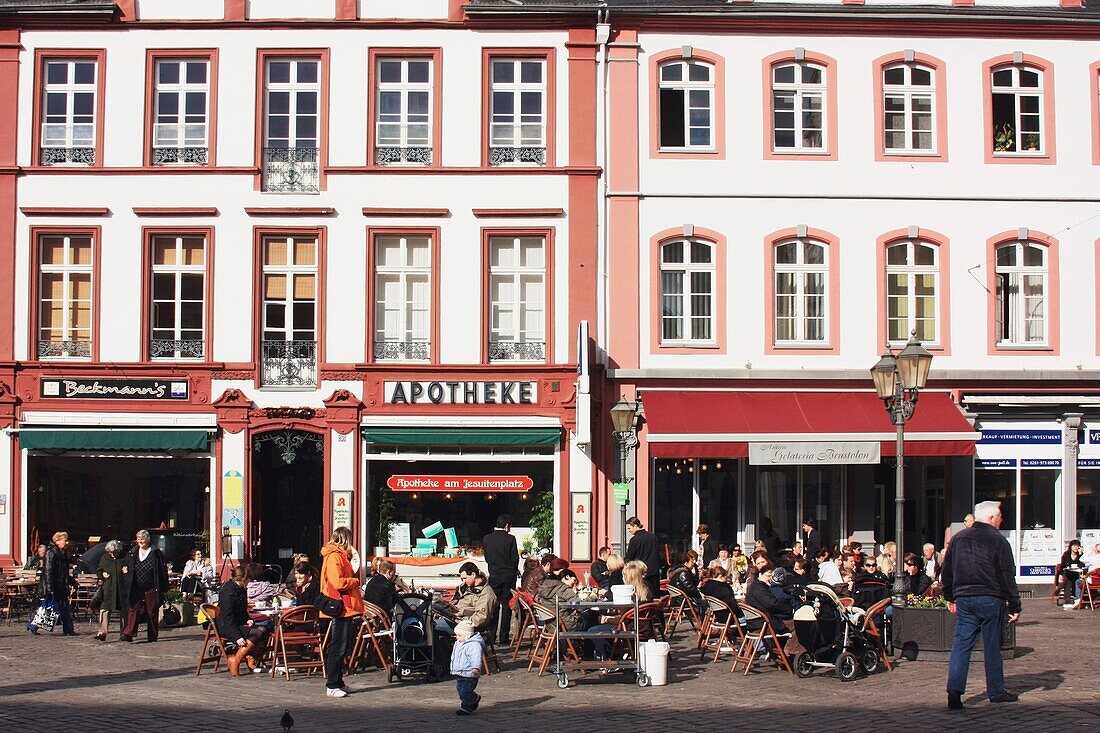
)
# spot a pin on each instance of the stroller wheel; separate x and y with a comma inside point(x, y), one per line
point(804, 665)
point(847, 668)
point(869, 661)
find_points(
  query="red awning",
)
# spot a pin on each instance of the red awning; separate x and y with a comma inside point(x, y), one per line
point(722, 423)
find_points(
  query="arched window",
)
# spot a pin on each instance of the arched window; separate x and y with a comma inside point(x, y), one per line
point(686, 105)
point(909, 108)
point(687, 292)
point(799, 101)
point(1017, 105)
point(912, 291)
point(1022, 284)
point(801, 297)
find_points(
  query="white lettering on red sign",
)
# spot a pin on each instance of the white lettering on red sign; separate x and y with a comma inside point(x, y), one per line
point(460, 483)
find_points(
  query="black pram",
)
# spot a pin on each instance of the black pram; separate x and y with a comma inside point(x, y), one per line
point(415, 648)
point(832, 636)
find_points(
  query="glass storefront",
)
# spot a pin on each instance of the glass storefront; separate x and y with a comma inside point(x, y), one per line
point(1088, 503)
point(1029, 506)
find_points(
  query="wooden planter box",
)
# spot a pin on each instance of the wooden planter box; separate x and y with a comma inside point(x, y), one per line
point(932, 630)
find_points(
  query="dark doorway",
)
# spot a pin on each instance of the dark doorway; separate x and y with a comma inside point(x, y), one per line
point(288, 471)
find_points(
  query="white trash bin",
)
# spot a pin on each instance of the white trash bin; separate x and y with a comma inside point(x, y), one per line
point(653, 656)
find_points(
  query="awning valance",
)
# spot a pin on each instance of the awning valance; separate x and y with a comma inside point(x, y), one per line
point(112, 440)
point(722, 423)
point(472, 436)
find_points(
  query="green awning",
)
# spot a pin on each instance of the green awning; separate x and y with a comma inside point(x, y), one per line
point(82, 440)
point(462, 436)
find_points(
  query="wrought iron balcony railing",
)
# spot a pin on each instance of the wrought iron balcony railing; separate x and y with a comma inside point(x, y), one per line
point(288, 364)
point(418, 155)
point(168, 156)
point(517, 351)
point(504, 156)
point(291, 170)
point(393, 350)
point(57, 156)
point(175, 348)
point(71, 349)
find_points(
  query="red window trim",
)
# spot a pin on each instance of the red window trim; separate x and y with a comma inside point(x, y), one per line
point(1094, 105)
point(96, 233)
point(263, 55)
point(832, 244)
point(943, 246)
point(547, 233)
point(550, 55)
point(1053, 345)
point(832, 134)
point(436, 55)
point(147, 235)
point(1047, 67)
point(258, 236)
point(719, 64)
point(432, 233)
point(153, 55)
point(939, 70)
point(718, 240)
point(41, 56)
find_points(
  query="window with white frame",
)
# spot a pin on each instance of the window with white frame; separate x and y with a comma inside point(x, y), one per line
point(687, 292)
point(801, 292)
point(181, 111)
point(912, 291)
point(403, 128)
point(402, 297)
point(686, 100)
point(798, 107)
point(292, 96)
point(65, 271)
point(1018, 110)
point(69, 121)
point(1021, 294)
point(177, 307)
point(517, 298)
point(909, 108)
point(289, 278)
point(517, 111)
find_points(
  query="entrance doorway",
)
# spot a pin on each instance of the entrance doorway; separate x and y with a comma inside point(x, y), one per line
point(288, 472)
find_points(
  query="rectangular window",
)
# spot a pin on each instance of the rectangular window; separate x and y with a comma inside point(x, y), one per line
point(177, 297)
point(687, 292)
point(912, 284)
point(686, 105)
point(801, 274)
point(517, 298)
point(517, 111)
point(65, 280)
point(1018, 111)
point(798, 108)
point(402, 298)
point(1021, 294)
point(909, 96)
point(404, 108)
point(289, 302)
point(292, 118)
point(181, 111)
point(70, 104)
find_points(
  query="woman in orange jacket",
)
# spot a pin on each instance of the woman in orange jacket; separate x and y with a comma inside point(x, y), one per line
point(338, 581)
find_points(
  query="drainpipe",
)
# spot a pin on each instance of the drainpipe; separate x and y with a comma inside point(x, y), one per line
point(603, 37)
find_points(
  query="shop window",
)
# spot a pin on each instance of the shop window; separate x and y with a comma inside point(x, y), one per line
point(181, 111)
point(1038, 489)
point(1021, 294)
point(517, 298)
point(65, 292)
point(291, 125)
point(687, 292)
point(912, 291)
point(1088, 501)
point(998, 485)
point(686, 105)
point(404, 101)
point(518, 110)
point(801, 297)
point(289, 311)
point(402, 298)
point(909, 108)
point(71, 105)
point(177, 297)
point(1017, 110)
point(798, 104)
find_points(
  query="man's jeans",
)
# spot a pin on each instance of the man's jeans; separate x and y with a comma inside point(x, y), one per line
point(984, 615)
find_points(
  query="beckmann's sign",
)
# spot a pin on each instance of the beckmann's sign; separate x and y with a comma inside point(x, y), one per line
point(114, 389)
point(807, 454)
point(460, 483)
point(461, 393)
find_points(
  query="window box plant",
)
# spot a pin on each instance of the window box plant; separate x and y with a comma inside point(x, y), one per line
point(927, 629)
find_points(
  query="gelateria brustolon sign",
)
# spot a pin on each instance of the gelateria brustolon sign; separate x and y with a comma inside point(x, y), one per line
point(808, 454)
point(114, 389)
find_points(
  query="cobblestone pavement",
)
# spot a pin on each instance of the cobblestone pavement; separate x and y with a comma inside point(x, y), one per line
point(79, 684)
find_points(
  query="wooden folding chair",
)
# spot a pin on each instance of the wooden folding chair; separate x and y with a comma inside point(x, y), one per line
point(1090, 586)
point(213, 644)
point(746, 653)
point(871, 629)
point(375, 632)
point(530, 626)
point(680, 607)
point(297, 642)
point(1057, 589)
point(547, 641)
point(80, 599)
point(718, 635)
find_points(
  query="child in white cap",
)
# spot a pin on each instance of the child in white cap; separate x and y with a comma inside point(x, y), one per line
point(466, 660)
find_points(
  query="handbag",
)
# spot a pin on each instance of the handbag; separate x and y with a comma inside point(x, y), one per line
point(97, 599)
point(46, 616)
point(329, 606)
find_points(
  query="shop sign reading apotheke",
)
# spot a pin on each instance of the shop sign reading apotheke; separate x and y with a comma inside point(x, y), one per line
point(791, 454)
point(461, 393)
point(460, 483)
point(114, 389)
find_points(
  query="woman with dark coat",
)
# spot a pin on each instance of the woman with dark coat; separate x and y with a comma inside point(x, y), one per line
point(682, 577)
point(718, 587)
point(916, 582)
point(54, 582)
point(235, 625)
point(110, 576)
point(759, 596)
point(870, 585)
point(144, 583)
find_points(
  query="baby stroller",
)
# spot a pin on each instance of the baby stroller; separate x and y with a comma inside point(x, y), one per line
point(414, 642)
point(831, 634)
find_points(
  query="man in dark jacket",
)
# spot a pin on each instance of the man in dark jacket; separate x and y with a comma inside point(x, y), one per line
point(144, 583)
point(55, 581)
point(643, 547)
point(708, 546)
point(811, 538)
point(380, 589)
point(979, 580)
point(502, 557)
point(601, 574)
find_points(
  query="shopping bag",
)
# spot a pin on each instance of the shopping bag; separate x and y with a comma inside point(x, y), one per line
point(46, 615)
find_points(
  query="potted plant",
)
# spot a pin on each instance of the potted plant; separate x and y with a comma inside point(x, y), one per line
point(542, 520)
point(385, 509)
point(925, 628)
point(177, 610)
point(1004, 138)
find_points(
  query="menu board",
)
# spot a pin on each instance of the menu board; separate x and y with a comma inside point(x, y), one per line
point(400, 537)
point(1040, 551)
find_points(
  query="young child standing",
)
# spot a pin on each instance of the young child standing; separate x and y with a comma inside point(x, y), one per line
point(466, 660)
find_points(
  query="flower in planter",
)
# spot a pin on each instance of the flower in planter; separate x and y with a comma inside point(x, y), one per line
point(932, 602)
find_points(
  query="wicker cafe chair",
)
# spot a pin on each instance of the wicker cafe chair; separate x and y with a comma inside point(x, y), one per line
point(746, 653)
point(680, 607)
point(375, 626)
point(213, 644)
point(871, 629)
point(717, 636)
point(297, 642)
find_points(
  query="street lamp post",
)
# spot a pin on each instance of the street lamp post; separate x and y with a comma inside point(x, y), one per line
point(898, 381)
point(622, 428)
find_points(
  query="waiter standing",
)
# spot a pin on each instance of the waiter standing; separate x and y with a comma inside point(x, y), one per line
point(643, 547)
point(502, 557)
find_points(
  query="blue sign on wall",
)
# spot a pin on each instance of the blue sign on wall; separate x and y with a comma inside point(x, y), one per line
point(1088, 462)
point(1021, 436)
point(1041, 463)
point(1036, 570)
point(995, 463)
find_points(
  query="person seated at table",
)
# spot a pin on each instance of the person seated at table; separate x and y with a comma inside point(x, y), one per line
point(682, 577)
point(35, 563)
point(1072, 567)
point(298, 557)
point(759, 595)
point(615, 566)
point(380, 589)
point(798, 577)
point(234, 623)
point(718, 587)
point(916, 582)
point(870, 584)
point(305, 587)
point(598, 570)
point(561, 591)
point(478, 603)
point(533, 575)
point(197, 573)
point(259, 590)
point(634, 573)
